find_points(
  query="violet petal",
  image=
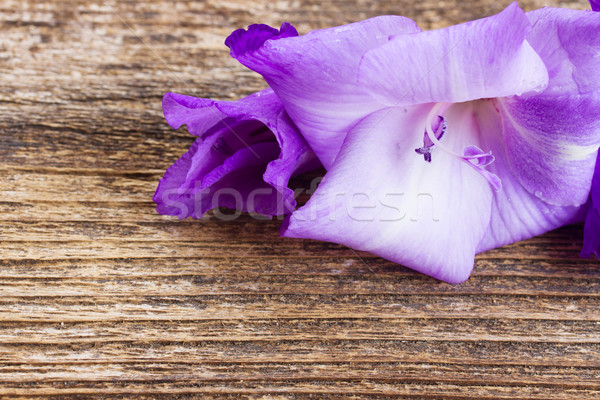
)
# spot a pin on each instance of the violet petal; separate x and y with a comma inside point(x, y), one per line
point(233, 137)
point(315, 77)
point(591, 233)
point(479, 59)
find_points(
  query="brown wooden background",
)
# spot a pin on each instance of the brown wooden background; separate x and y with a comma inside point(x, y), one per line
point(101, 297)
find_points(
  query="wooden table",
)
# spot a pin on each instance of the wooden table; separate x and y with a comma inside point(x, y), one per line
point(102, 297)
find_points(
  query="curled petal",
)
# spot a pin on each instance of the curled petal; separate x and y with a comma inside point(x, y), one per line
point(314, 75)
point(245, 154)
point(200, 115)
point(244, 41)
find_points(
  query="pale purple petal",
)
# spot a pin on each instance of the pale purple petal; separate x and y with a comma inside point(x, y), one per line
point(591, 233)
point(516, 213)
point(479, 59)
point(315, 75)
point(430, 216)
point(249, 147)
point(381, 197)
point(552, 138)
point(552, 144)
point(568, 42)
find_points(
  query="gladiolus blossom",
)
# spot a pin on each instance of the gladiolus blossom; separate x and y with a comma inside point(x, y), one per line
point(438, 144)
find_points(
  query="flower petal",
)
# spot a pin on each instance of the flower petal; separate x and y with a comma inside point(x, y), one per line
point(243, 159)
point(169, 198)
point(552, 138)
point(234, 136)
point(238, 184)
point(200, 115)
point(516, 213)
point(315, 76)
point(468, 215)
point(591, 233)
point(552, 145)
point(595, 5)
point(382, 197)
point(479, 59)
point(243, 41)
point(568, 41)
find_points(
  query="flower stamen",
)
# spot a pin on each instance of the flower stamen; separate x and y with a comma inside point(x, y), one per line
point(439, 131)
point(472, 155)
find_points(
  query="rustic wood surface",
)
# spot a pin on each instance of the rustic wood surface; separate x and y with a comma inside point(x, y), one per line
point(102, 297)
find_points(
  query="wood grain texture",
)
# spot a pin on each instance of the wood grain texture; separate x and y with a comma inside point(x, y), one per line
point(100, 297)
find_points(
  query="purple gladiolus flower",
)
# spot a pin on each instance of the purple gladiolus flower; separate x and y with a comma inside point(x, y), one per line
point(245, 153)
point(445, 143)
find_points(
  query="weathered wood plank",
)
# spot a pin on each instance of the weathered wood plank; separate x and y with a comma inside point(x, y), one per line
point(306, 329)
point(548, 376)
point(198, 285)
point(341, 264)
point(317, 388)
point(184, 309)
point(300, 351)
